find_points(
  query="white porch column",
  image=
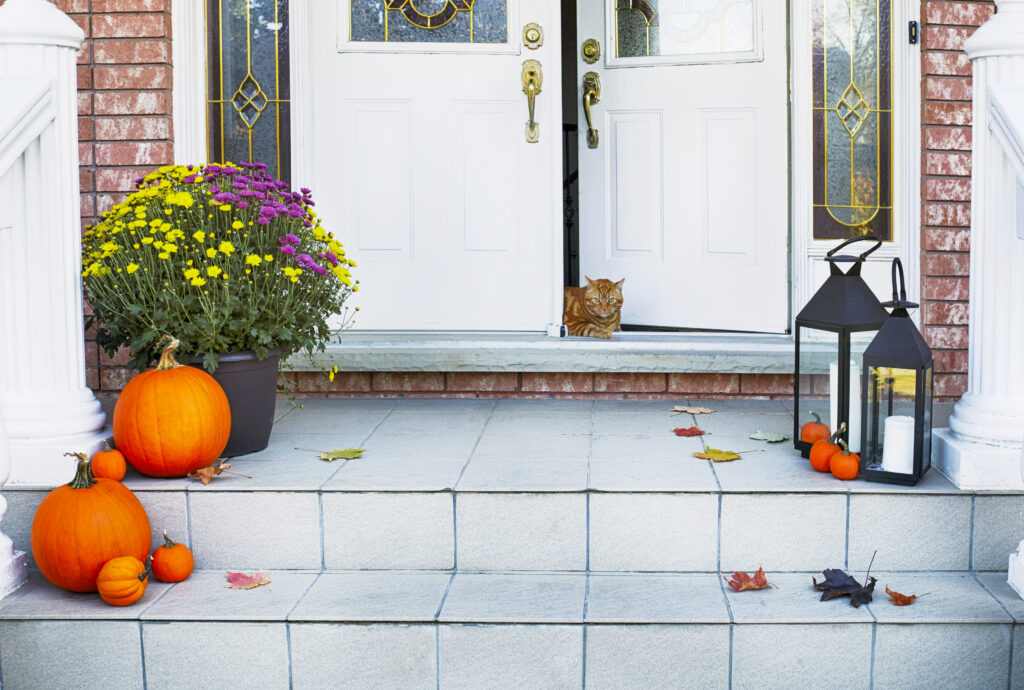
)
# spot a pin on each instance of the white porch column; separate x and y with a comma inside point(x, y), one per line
point(13, 564)
point(43, 396)
point(982, 447)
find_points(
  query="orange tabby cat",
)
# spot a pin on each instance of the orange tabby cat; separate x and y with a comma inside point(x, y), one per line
point(593, 310)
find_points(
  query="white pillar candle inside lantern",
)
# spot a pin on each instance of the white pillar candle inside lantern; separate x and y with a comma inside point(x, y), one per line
point(898, 445)
point(833, 396)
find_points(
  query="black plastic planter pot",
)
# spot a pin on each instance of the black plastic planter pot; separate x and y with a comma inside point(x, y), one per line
point(251, 387)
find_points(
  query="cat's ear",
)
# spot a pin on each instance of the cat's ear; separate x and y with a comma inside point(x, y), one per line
point(589, 281)
point(619, 284)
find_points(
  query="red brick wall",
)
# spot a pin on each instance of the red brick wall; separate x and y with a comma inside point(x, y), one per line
point(946, 184)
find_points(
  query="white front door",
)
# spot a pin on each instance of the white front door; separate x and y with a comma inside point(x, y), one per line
point(686, 194)
point(422, 163)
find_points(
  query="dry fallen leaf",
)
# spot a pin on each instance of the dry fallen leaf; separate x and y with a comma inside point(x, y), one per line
point(243, 581)
point(769, 436)
point(898, 599)
point(681, 409)
point(838, 584)
point(691, 431)
point(741, 581)
point(205, 474)
point(718, 455)
point(342, 454)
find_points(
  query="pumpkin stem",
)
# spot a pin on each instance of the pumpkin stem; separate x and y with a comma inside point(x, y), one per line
point(83, 475)
point(817, 417)
point(168, 544)
point(167, 360)
point(839, 432)
point(846, 448)
point(106, 446)
point(149, 568)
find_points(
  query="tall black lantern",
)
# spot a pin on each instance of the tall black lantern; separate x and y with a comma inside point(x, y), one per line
point(897, 396)
point(832, 331)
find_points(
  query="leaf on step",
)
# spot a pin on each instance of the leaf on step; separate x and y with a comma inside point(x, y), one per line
point(897, 599)
point(243, 581)
point(691, 431)
point(342, 454)
point(718, 455)
point(838, 584)
point(769, 436)
point(741, 582)
point(682, 409)
point(205, 474)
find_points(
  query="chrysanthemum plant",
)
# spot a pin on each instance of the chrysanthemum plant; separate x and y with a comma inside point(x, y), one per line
point(224, 257)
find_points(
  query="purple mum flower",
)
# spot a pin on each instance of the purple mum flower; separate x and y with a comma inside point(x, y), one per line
point(287, 249)
point(224, 197)
point(291, 239)
point(214, 189)
point(332, 258)
point(263, 220)
point(242, 204)
point(306, 190)
point(189, 179)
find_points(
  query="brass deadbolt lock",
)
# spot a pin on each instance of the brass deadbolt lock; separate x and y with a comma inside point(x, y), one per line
point(591, 51)
point(533, 36)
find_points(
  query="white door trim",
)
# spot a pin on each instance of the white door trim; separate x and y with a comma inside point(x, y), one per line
point(906, 164)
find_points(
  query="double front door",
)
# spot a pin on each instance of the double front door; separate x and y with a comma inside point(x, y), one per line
point(451, 200)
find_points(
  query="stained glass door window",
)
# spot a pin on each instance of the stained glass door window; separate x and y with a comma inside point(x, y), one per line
point(248, 107)
point(852, 118)
point(429, 21)
point(680, 28)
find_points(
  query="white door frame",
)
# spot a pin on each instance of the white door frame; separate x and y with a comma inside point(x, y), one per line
point(189, 117)
point(906, 164)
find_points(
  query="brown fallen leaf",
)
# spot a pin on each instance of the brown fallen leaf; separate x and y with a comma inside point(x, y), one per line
point(718, 455)
point(682, 409)
point(898, 599)
point(205, 474)
point(243, 581)
point(691, 431)
point(741, 581)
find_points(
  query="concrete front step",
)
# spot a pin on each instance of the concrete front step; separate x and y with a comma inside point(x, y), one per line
point(556, 485)
point(419, 629)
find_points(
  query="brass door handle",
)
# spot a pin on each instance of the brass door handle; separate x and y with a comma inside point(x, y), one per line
point(591, 95)
point(533, 78)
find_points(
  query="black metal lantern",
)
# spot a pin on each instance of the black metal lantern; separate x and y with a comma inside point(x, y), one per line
point(832, 331)
point(897, 396)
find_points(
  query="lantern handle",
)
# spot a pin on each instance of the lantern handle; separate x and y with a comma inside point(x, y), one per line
point(899, 295)
point(830, 256)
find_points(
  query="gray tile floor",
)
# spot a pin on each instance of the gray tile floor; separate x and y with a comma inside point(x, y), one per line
point(527, 445)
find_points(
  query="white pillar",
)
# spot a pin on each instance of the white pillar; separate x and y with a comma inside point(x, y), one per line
point(48, 408)
point(983, 445)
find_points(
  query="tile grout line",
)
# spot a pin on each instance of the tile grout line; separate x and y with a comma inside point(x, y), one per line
point(1013, 622)
point(437, 654)
point(288, 626)
point(732, 622)
point(444, 597)
point(142, 655)
point(320, 515)
point(586, 606)
point(846, 556)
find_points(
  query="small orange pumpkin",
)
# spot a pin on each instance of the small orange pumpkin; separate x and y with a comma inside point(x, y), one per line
point(814, 431)
point(80, 526)
point(845, 465)
point(122, 581)
point(109, 463)
point(171, 420)
point(172, 562)
point(822, 451)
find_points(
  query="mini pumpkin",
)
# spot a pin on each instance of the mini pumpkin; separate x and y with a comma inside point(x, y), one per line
point(80, 526)
point(173, 419)
point(172, 562)
point(822, 451)
point(109, 463)
point(814, 431)
point(122, 581)
point(845, 465)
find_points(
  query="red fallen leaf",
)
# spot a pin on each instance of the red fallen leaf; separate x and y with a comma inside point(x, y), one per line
point(243, 581)
point(741, 581)
point(900, 599)
point(691, 431)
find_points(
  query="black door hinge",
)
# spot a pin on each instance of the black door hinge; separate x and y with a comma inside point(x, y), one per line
point(913, 33)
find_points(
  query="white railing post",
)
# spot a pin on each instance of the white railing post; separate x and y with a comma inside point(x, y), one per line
point(982, 447)
point(13, 564)
point(43, 396)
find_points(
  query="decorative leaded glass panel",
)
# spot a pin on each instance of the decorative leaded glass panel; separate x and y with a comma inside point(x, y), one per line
point(647, 28)
point(429, 21)
point(248, 116)
point(852, 104)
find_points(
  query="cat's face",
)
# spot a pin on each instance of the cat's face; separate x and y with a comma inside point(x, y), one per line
point(603, 298)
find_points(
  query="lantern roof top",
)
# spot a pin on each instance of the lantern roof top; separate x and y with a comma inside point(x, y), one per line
point(899, 343)
point(843, 301)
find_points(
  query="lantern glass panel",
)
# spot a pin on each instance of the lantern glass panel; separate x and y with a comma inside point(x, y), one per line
point(891, 411)
point(926, 452)
point(818, 368)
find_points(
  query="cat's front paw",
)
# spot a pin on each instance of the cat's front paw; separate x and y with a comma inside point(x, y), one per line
point(603, 333)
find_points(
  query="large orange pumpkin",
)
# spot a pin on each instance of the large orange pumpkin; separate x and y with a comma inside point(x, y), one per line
point(80, 526)
point(171, 420)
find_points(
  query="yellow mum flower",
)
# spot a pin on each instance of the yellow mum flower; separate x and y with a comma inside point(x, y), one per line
point(238, 225)
point(268, 258)
point(213, 271)
point(147, 240)
point(163, 255)
point(131, 268)
point(198, 281)
point(199, 235)
point(226, 247)
point(191, 273)
point(225, 207)
point(211, 252)
point(170, 247)
point(253, 260)
point(158, 244)
point(183, 199)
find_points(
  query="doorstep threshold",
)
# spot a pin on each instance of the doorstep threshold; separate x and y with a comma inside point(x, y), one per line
point(453, 351)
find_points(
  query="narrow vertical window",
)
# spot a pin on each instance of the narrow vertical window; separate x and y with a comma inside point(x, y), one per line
point(852, 104)
point(248, 107)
